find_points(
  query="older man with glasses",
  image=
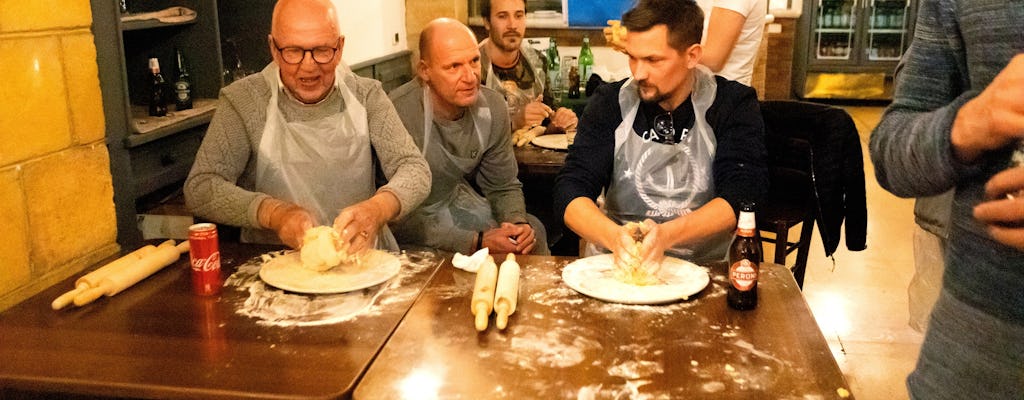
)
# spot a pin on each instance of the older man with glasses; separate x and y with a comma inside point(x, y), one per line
point(673, 147)
point(298, 144)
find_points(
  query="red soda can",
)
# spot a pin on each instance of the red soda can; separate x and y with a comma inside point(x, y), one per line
point(205, 256)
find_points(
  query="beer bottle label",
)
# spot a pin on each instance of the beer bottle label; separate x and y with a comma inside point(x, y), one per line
point(183, 90)
point(743, 274)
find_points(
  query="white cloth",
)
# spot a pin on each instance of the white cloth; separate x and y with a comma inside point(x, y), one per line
point(740, 65)
point(322, 165)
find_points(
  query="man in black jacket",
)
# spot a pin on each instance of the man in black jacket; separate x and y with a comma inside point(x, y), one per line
point(674, 146)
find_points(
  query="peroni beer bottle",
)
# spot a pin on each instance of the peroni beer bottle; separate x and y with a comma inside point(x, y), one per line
point(744, 262)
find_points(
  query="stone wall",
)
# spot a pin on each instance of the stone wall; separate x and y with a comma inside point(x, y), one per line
point(55, 183)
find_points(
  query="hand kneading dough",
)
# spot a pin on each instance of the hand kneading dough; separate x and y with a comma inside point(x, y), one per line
point(629, 269)
point(320, 249)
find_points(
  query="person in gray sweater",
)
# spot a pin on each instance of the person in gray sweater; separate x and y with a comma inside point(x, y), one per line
point(292, 145)
point(463, 130)
point(956, 119)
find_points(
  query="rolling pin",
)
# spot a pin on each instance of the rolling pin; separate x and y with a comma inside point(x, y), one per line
point(507, 293)
point(166, 254)
point(483, 292)
point(93, 278)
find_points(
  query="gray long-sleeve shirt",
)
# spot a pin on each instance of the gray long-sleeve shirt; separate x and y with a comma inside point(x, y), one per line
point(221, 185)
point(958, 48)
point(495, 176)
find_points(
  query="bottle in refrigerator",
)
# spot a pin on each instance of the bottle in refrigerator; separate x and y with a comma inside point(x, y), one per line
point(586, 62)
point(157, 90)
point(183, 85)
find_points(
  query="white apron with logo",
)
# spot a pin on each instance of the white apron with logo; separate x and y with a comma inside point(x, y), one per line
point(323, 165)
point(663, 181)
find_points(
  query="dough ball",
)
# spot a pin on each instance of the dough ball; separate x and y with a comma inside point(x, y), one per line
point(320, 249)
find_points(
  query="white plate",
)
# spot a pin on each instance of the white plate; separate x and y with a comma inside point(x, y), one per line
point(594, 277)
point(556, 142)
point(286, 272)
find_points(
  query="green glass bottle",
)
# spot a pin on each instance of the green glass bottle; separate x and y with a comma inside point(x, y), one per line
point(586, 62)
point(182, 86)
point(553, 67)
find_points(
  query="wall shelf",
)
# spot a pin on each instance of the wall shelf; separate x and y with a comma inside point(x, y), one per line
point(135, 25)
point(146, 129)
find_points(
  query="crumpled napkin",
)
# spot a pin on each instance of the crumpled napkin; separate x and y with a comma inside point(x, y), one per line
point(470, 263)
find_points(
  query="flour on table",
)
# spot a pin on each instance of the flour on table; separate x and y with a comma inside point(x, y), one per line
point(276, 307)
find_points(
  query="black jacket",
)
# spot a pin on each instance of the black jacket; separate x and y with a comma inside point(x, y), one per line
point(837, 166)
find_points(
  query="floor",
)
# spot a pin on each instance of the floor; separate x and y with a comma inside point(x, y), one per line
point(860, 298)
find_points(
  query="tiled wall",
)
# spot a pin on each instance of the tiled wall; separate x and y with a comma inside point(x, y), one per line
point(56, 195)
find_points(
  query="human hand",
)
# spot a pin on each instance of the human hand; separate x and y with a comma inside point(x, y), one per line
point(291, 223)
point(653, 247)
point(524, 237)
point(995, 118)
point(499, 240)
point(615, 35)
point(1003, 211)
point(359, 224)
point(535, 112)
point(637, 253)
point(564, 119)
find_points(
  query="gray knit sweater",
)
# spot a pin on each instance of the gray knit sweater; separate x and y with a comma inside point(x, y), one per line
point(958, 48)
point(221, 185)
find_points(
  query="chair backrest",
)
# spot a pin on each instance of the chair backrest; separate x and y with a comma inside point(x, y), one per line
point(836, 165)
point(789, 152)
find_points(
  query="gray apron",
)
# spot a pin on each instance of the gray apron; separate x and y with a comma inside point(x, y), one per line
point(460, 205)
point(323, 165)
point(662, 181)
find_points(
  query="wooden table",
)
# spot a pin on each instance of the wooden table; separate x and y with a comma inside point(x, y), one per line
point(563, 345)
point(159, 340)
point(537, 161)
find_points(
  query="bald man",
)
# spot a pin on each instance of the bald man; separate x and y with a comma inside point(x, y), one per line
point(295, 143)
point(463, 130)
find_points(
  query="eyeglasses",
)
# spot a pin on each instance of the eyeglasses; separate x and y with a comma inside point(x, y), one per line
point(664, 128)
point(295, 55)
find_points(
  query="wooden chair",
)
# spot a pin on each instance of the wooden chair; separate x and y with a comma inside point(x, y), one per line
point(791, 195)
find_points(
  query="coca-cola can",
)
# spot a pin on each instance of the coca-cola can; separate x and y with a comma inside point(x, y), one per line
point(205, 257)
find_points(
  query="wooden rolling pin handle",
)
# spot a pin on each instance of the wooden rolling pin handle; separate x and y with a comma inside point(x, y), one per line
point(501, 319)
point(482, 314)
point(69, 297)
point(90, 295)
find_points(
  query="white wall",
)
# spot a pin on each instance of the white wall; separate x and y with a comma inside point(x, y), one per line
point(370, 28)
